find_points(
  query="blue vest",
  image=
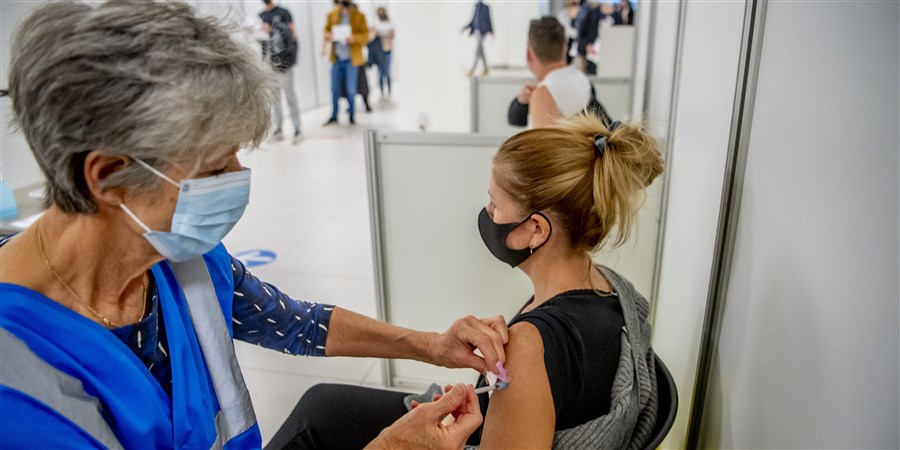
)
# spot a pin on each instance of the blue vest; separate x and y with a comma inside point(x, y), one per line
point(67, 382)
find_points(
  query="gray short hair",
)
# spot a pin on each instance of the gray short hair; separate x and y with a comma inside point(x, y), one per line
point(145, 79)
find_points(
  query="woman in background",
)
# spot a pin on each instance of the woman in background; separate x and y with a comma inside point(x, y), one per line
point(579, 359)
point(382, 46)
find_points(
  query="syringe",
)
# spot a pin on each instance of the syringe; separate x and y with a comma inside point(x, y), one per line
point(499, 385)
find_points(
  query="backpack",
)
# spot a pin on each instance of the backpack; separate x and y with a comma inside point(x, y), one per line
point(282, 48)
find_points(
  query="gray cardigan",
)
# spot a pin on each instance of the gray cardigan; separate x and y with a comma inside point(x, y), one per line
point(632, 412)
point(633, 409)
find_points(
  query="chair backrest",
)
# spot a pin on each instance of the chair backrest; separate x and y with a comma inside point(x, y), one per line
point(668, 405)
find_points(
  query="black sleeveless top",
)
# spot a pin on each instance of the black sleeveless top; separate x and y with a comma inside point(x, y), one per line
point(581, 333)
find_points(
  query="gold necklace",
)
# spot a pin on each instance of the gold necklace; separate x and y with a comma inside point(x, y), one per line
point(107, 322)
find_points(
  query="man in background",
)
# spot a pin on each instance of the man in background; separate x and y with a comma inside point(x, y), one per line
point(281, 50)
point(347, 32)
point(561, 91)
point(588, 25)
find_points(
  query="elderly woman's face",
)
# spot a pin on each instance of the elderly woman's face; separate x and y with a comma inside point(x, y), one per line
point(157, 209)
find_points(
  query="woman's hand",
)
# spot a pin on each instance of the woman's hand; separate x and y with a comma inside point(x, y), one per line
point(524, 96)
point(444, 424)
point(352, 334)
point(454, 348)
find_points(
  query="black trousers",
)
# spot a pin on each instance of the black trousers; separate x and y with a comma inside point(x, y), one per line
point(338, 416)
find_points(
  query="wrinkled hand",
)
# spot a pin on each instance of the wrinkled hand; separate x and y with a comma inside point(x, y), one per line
point(415, 404)
point(525, 94)
point(454, 348)
point(446, 423)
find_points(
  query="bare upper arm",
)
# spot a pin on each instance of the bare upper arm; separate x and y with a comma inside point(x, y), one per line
point(522, 415)
point(543, 109)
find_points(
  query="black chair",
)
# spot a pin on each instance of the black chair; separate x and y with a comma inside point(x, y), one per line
point(668, 405)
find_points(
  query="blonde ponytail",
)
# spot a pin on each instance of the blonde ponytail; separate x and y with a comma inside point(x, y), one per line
point(590, 190)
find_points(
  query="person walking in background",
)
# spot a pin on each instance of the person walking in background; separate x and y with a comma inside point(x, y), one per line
point(567, 17)
point(346, 31)
point(624, 14)
point(281, 50)
point(481, 26)
point(380, 49)
point(588, 25)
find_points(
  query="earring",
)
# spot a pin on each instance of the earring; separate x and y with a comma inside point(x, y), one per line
point(531, 246)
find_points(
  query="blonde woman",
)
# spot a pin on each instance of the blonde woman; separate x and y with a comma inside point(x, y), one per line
point(579, 358)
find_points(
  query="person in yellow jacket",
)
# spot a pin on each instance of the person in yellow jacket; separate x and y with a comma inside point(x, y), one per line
point(346, 31)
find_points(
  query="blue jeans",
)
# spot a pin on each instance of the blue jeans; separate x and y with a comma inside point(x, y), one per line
point(384, 73)
point(343, 72)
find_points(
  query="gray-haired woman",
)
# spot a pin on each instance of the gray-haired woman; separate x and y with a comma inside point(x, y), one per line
point(118, 307)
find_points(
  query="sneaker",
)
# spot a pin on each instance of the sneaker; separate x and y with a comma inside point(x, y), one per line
point(277, 136)
point(352, 121)
point(297, 137)
point(332, 121)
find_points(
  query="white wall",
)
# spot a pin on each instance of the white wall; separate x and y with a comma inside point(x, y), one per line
point(17, 166)
point(434, 55)
point(703, 114)
point(511, 21)
point(809, 350)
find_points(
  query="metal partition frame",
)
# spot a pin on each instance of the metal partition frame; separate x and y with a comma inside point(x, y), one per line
point(736, 162)
point(667, 144)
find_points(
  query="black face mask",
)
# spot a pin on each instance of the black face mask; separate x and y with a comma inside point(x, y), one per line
point(494, 236)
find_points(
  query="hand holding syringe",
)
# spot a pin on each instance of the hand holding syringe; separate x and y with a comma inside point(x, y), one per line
point(502, 383)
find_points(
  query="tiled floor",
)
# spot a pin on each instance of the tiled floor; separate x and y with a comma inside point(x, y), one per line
point(309, 205)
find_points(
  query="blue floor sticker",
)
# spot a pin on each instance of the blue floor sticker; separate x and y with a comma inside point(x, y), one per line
point(256, 258)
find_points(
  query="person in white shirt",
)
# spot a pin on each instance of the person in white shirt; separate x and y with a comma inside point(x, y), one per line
point(561, 90)
point(383, 32)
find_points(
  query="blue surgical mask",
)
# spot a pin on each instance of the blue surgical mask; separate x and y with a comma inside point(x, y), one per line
point(207, 209)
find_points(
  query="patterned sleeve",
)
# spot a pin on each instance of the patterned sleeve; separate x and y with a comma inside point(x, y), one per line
point(265, 316)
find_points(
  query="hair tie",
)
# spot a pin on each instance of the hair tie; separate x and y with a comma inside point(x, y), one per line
point(600, 140)
point(600, 144)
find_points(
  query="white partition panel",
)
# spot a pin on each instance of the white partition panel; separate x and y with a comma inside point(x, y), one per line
point(705, 90)
point(492, 95)
point(809, 350)
point(426, 191)
point(615, 56)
